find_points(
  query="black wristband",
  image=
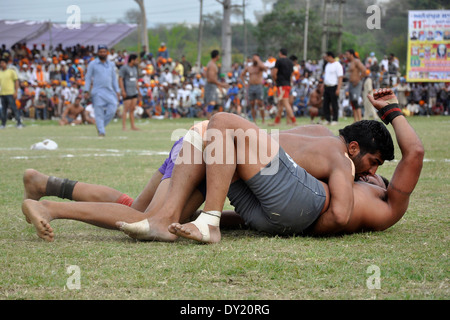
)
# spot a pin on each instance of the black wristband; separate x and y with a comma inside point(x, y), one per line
point(388, 113)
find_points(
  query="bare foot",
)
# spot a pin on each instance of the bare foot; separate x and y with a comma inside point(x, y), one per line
point(35, 184)
point(144, 230)
point(191, 230)
point(37, 214)
point(135, 129)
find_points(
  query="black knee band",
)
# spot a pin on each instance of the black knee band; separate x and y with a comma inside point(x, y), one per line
point(61, 188)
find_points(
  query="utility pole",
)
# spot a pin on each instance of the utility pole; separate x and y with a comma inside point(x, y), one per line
point(341, 15)
point(226, 35)
point(305, 38)
point(324, 26)
point(143, 26)
point(336, 29)
point(200, 36)
point(245, 30)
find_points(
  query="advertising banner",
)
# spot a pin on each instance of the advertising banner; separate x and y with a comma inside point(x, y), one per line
point(428, 46)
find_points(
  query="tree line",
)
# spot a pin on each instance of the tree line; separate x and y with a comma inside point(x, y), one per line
point(284, 27)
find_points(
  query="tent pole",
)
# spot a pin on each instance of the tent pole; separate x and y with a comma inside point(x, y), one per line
point(50, 35)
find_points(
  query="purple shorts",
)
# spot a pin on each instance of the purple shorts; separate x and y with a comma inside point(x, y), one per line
point(168, 165)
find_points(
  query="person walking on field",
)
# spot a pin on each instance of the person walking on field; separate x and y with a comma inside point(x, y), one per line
point(105, 91)
point(255, 85)
point(281, 74)
point(332, 79)
point(128, 84)
point(357, 72)
point(212, 83)
point(369, 110)
point(9, 84)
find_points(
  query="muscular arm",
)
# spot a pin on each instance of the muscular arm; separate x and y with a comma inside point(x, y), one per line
point(66, 111)
point(273, 73)
point(362, 69)
point(325, 160)
point(340, 184)
point(339, 85)
point(404, 180)
point(122, 87)
point(261, 65)
point(376, 213)
point(243, 73)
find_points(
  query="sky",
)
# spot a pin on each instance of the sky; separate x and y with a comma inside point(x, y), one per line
point(158, 11)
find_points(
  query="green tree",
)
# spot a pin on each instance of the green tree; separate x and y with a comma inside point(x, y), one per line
point(284, 27)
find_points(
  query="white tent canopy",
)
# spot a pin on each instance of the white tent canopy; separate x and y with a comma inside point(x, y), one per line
point(52, 34)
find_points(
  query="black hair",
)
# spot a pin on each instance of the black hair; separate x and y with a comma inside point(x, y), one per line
point(330, 53)
point(132, 57)
point(372, 137)
point(352, 52)
point(283, 51)
point(214, 53)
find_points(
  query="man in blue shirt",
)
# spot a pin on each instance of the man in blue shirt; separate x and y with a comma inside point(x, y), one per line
point(105, 90)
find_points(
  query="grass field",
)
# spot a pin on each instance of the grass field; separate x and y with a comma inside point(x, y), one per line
point(412, 256)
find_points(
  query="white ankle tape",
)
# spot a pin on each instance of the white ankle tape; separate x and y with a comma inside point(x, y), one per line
point(209, 217)
point(194, 138)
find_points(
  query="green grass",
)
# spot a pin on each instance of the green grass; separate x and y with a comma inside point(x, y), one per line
point(412, 255)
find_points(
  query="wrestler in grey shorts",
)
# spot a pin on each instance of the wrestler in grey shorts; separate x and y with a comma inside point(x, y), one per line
point(210, 93)
point(354, 91)
point(255, 92)
point(284, 203)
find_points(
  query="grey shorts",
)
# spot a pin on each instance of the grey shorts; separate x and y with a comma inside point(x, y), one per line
point(354, 92)
point(284, 203)
point(210, 93)
point(255, 92)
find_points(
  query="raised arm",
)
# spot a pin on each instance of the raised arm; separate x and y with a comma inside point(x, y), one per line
point(407, 173)
point(260, 64)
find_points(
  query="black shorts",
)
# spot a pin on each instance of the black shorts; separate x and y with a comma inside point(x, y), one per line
point(130, 97)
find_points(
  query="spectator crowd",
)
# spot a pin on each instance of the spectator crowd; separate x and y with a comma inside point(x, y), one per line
point(51, 80)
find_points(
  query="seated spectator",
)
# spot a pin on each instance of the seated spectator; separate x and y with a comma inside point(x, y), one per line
point(71, 113)
point(315, 101)
point(42, 105)
point(163, 51)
